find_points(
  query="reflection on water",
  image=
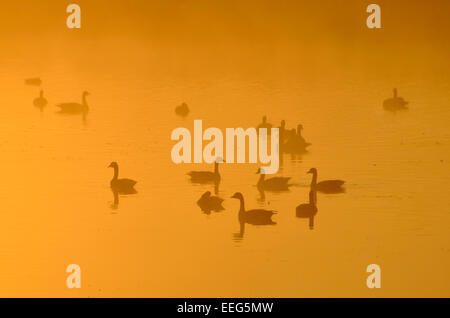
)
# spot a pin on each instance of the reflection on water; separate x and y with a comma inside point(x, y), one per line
point(334, 86)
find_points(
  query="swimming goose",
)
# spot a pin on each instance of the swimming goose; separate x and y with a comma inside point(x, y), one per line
point(395, 103)
point(75, 108)
point(33, 81)
point(123, 186)
point(327, 186)
point(265, 125)
point(254, 217)
point(182, 110)
point(40, 102)
point(272, 184)
point(205, 176)
point(308, 210)
point(209, 203)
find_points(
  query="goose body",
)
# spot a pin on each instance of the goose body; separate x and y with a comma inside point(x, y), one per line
point(395, 103)
point(75, 108)
point(209, 203)
point(33, 81)
point(40, 102)
point(326, 186)
point(124, 186)
point(265, 125)
point(272, 184)
point(296, 144)
point(205, 176)
point(308, 210)
point(182, 110)
point(255, 216)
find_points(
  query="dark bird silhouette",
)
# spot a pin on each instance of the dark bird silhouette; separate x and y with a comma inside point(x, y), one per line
point(272, 184)
point(36, 81)
point(75, 108)
point(206, 176)
point(208, 203)
point(122, 186)
point(40, 102)
point(182, 110)
point(326, 186)
point(265, 125)
point(308, 210)
point(295, 143)
point(254, 217)
point(395, 103)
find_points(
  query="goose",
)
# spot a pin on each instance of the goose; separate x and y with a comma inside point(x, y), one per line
point(254, 217)
point(36, 81)
point(395, 103)
point(40, 102)
point(75, 108)
point(272, 184)
point(182, 110)
point(308, 210)
point(265, 125)
point(296, 143)
point(123, 186)
point(206, 176)
point(327, 186)
point(209, 203)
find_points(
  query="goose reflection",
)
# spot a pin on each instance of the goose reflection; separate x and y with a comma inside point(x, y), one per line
point(208, 203)
point(326, 186)
point(308, 210)
point(115, 204)
point(40, 102)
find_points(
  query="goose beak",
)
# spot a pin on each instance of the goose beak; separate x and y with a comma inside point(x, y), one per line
point(110, 166)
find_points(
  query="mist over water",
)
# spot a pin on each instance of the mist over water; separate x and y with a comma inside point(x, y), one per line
point(327, 73)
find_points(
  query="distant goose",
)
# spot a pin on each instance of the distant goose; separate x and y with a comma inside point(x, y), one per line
point(75, 108)
point(123, 186)
point(327, 186)
point(308, 210)
point(209, 203)
point(265, 125)
point(254, 217)
point(206, 176)
point(33, 81)
point(40, 102)
point(272, 184)
point(395, 103)
point(182, 110)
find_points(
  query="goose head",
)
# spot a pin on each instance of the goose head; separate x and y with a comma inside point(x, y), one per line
point(113, 165)
point(238, 196)
point(85, 93)
point(265, 119)
point(206, 195)
point(312, 170)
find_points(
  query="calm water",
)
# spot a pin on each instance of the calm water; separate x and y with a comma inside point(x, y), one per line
point(57, 208)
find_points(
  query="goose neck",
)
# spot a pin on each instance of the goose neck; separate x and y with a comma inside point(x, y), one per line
point(116, 173)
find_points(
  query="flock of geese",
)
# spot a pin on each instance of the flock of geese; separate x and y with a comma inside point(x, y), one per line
point(291, 141)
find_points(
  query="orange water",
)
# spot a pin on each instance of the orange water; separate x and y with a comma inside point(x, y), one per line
point(307, 62)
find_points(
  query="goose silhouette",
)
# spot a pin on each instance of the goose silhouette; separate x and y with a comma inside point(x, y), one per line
point(122, 186)
point(326, 186)
point(265, 125)
point(206, 176)
point(75, 108)
point(395, 103)
point(182, 110)
point(272, 184)
point(36, 81)
point(40, 102)
point(308, 210)
point(254, 217)
point(208, 203)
